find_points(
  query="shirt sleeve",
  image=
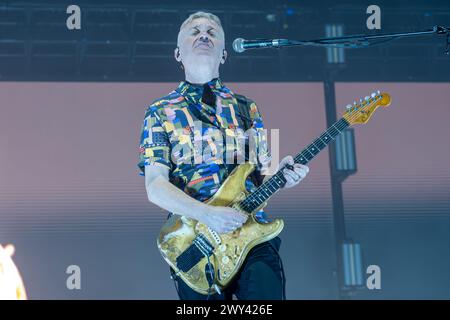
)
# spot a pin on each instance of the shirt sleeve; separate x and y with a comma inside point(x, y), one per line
point(154, 147)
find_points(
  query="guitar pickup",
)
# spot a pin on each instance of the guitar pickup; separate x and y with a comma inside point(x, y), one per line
point(199, 249)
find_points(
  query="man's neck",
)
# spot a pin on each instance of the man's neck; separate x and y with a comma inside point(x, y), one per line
point(200, 77)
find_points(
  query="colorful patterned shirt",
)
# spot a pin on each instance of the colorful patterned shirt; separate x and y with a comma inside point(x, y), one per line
point(200, 147)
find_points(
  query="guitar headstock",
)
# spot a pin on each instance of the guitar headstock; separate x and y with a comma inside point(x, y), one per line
point(358, 113)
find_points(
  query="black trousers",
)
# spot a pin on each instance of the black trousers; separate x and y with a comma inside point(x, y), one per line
point(260, 278)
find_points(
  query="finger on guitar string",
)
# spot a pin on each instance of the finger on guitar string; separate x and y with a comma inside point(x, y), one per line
point(301, 169)
point(291, 174)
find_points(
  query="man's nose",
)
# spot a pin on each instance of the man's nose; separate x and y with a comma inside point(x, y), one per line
point(204, 38)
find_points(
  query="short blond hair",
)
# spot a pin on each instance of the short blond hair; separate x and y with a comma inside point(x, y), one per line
point(202, 14)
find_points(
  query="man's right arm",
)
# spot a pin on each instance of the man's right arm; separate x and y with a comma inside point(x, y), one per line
point(164, 194)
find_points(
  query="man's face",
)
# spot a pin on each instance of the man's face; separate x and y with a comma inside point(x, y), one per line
point(201, 41)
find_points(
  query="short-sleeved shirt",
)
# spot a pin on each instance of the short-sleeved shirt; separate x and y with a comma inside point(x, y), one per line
point(201, 146)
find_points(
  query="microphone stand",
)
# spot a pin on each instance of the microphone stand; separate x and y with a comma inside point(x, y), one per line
point(350, 42)
point(337, 177)
point(361, 41)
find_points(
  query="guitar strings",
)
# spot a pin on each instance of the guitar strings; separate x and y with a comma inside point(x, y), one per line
point(339, 125)
point(271, 182)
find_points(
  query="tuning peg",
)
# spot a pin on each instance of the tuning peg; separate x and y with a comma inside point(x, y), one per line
point(367, 98)
point(378, 92)
point(373, 95)
point(348, 107)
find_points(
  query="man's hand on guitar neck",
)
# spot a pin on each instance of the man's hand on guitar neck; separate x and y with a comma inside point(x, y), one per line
point(293, 173)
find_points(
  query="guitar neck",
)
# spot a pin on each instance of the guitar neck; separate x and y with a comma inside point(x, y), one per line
point(259, 196)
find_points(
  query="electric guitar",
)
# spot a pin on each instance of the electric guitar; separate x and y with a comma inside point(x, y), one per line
point(208, 261)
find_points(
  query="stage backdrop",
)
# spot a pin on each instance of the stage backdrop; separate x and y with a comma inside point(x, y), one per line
point(70, 192)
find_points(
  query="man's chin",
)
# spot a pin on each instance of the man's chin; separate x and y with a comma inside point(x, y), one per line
point(203, 57)
point(203, 52)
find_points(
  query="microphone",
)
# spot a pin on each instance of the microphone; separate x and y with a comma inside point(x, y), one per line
point(240, 45)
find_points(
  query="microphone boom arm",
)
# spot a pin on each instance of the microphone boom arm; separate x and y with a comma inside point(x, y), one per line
point(353, 41)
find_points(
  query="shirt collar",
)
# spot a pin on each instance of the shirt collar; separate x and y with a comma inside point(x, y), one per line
point(195, 91)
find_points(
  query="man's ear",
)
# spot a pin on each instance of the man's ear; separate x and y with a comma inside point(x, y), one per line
point(224, 56)
point(177, 54)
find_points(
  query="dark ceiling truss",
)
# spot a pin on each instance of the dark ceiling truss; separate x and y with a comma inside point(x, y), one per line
point(134, 41)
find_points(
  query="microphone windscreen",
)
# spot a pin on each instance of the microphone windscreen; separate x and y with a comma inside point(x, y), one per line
point(238, 45)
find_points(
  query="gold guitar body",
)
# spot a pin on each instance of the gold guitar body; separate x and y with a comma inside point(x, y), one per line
point(230, 249)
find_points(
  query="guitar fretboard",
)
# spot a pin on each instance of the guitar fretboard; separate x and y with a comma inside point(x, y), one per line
point(277, 181)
